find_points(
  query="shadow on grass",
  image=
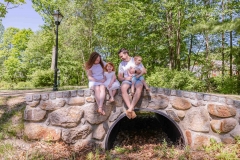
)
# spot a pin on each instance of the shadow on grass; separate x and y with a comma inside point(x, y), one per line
point(7, 124)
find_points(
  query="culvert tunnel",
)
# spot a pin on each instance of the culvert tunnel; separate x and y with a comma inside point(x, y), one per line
point(154, 125)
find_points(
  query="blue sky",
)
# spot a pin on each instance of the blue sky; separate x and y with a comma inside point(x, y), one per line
point(22, 17)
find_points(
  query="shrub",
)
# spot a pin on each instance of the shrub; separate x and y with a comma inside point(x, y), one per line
point(5, 85)
point(24, 85)
point(225, 85)
point(42, 78)
point(182, 80)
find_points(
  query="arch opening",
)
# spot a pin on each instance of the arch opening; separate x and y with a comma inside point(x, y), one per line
point(154, 125)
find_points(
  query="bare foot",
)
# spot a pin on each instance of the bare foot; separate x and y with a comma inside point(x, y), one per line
point(111, 100)
point(101, 111)
point(133, 115)
point(128, 114)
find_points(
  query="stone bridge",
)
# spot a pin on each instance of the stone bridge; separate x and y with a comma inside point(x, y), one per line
point(190, 117)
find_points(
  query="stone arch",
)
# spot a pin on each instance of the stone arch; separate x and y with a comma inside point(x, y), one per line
point(175, 133)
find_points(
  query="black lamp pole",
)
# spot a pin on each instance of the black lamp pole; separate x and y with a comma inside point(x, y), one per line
point(57, 17)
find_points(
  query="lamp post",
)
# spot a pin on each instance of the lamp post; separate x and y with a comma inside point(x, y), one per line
point(57, 18)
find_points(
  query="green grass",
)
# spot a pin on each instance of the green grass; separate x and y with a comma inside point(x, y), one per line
point(9, 128)
point(6, 148)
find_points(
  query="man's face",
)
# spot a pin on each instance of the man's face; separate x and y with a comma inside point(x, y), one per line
point(123, 56)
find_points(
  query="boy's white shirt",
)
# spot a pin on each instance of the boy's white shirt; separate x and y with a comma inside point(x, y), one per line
point(124, 66)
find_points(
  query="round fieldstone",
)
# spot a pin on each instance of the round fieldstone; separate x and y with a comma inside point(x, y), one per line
point(223, 111)
point(181, 103)
point(66, 117)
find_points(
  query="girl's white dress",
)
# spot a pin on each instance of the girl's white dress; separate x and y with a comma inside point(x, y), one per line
point(109, 76)
point(97, 73)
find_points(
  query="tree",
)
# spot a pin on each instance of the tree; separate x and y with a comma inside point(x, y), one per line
point(1, 31)
point(9, 4)
point(12, 52)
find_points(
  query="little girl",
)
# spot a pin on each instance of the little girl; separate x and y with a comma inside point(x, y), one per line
point(111, 83)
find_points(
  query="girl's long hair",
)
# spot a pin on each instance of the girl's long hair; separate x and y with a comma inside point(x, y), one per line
point(92, 59)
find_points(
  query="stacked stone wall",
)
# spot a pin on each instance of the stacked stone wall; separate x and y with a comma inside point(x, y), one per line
point(71, 116)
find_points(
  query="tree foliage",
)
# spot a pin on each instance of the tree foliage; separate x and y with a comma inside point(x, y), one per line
point(9, 4)
point(178, 35)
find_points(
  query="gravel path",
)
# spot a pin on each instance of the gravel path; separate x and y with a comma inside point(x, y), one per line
point(6, 93)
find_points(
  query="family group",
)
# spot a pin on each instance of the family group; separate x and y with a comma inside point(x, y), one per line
point(101, 75)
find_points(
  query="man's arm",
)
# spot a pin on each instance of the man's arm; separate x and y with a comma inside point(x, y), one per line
point(121, 78)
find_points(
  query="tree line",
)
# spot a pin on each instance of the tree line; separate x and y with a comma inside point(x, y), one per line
point(172, 36)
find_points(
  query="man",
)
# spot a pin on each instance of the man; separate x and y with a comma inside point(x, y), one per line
point(123, 76)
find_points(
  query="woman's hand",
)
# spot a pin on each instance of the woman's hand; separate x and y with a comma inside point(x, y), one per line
point(110, 85)
point(103, 80)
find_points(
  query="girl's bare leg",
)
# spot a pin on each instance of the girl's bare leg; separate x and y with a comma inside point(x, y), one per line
point(111, 95)
point(114, 92)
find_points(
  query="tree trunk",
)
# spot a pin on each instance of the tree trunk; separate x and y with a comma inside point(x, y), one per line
point(178, 42)
point(190, 52)
point(238, 70)
point(222, 51)
point(169, 35)
point(53, 57)
point(207, 46)
point(231, 47)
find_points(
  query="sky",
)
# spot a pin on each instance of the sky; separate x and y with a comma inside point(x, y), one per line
point(24, 16)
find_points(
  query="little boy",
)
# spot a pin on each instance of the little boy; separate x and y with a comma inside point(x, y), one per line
point(137, 77)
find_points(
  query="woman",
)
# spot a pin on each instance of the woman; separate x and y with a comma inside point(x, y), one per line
point(94, 68)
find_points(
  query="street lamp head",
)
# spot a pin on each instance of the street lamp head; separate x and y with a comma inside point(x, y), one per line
point(57, 17)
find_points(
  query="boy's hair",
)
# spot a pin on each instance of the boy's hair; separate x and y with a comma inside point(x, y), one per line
point(107, 64)
point(136, 57)
point(123, 50)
